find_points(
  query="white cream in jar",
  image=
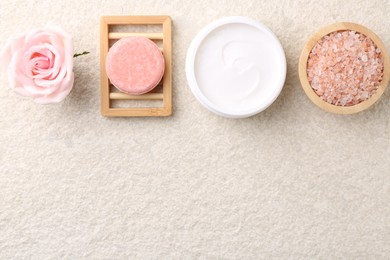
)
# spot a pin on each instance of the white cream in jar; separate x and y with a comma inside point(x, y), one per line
point(236, 67)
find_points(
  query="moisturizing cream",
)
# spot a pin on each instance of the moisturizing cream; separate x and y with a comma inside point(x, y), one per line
point(236, 67)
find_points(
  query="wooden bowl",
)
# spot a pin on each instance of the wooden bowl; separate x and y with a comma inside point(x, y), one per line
point(303, 69)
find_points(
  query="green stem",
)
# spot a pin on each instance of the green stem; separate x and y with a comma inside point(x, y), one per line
point(80, 54)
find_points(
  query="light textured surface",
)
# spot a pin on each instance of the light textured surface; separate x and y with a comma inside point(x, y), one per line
point(292, 182)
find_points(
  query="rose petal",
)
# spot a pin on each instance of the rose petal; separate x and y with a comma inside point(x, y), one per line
point(42, 74)
point(26, 68)
point(61, 93)
point(52, 82)
point(57, 60)
point(15, 85)
point(40, 63)
point(17, 71)
point(39, 50)
point(37, 91)
point(13, 44)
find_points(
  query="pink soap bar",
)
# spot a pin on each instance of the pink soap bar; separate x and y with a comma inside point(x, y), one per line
point(135, 65)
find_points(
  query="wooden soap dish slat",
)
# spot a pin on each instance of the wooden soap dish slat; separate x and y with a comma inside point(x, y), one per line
point(147, 96)
point(140, 111)
point(152, 36)
point(107, 95)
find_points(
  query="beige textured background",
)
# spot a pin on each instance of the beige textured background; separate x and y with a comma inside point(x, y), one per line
point(292, 182)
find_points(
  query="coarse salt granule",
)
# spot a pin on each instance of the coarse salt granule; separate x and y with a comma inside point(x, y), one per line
point(345, 68)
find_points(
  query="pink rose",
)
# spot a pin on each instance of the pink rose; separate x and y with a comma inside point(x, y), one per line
point(39, 64)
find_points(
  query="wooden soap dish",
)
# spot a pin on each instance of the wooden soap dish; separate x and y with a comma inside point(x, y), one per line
point(303, 69)
point(108, 93)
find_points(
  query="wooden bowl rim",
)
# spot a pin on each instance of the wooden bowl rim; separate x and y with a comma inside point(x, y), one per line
point(342, 26)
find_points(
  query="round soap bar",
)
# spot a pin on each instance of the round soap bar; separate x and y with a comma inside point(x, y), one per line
point(135, 65)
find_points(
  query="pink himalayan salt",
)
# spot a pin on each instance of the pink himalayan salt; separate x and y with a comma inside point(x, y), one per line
point(135, 65)
point(345, 68)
